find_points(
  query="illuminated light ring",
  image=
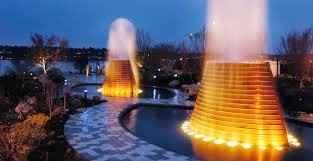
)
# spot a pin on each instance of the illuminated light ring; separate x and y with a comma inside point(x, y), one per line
point(120, 80)
point(232, 143)
point(293, 142)
point(237, 105)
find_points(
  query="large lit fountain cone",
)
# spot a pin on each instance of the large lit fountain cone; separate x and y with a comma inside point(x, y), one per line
point(120, 80)
point(237, 106)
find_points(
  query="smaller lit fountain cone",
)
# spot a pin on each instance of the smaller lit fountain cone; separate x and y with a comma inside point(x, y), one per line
point(119, 81)
point(237, 105)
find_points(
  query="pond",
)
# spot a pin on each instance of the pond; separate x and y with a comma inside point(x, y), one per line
point(161, 126)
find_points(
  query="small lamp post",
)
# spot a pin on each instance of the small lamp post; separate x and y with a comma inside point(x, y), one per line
point(66, 92)
point(154, 80)
point(85, 93)
point(85, 97)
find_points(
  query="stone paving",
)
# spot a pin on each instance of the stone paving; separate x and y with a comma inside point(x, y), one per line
point(97, 135)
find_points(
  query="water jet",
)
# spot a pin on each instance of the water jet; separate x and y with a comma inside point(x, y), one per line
point(121, 71)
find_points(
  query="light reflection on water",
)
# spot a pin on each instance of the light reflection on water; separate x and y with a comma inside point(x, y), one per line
point(161, 126)
point(210, 152)
point(147, 92)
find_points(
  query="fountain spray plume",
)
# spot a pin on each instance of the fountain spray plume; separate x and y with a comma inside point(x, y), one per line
point(237, 30)
point(237, 104)
point(121, 72)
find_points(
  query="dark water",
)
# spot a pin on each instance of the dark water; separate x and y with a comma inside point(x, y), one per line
point(156, 93)
point(161, 126)
point(147, 92)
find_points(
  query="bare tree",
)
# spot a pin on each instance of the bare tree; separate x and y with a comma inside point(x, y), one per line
point(167, 66)
point(144, 41)
point(297, 45)
point(198, 41)
point(47, 50)
point(167, 47)
point(63, 46)
point(183, 48)
point(37, 41)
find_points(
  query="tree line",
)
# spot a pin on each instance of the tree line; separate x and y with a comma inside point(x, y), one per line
point(297, 47)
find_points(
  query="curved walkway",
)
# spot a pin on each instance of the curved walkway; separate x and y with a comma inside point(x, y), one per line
point(97, 135)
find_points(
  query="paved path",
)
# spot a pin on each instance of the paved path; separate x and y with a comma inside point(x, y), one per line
point(97, 135)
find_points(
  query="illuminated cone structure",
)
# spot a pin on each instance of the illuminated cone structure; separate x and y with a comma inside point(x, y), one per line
point(120, 80)
point(237, 105)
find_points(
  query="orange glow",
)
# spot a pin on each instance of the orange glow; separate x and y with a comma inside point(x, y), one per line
point(120, 80)
point(212, 152)
point(237, 105)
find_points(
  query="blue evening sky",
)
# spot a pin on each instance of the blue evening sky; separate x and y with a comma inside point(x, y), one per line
point(86, 22)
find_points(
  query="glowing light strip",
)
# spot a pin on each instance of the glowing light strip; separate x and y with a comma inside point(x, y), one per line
point(293, 142)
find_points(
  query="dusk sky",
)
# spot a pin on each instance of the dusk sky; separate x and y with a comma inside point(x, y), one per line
point(86, 22)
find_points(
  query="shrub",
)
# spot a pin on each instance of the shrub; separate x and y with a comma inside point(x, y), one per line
point(56, 76)
point(5, 105)
point(17, 141)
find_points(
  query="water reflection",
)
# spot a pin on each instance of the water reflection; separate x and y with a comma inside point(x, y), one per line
point(211, 152)
point(65, 66)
